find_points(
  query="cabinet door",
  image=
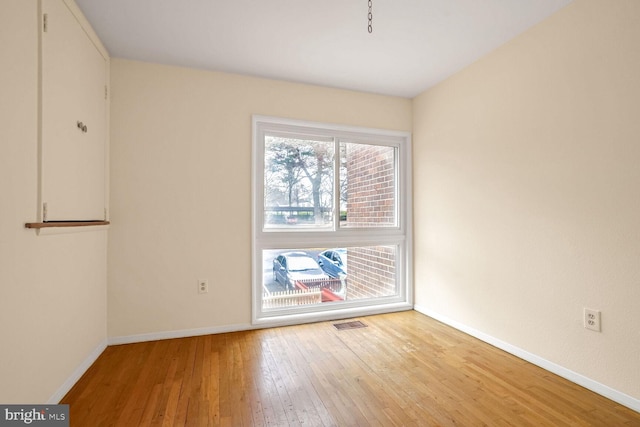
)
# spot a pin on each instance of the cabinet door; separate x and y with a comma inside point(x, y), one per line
point(73, 138)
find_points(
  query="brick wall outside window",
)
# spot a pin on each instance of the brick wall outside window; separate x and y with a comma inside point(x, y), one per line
point(370, 186)
point(372, 272)
point(370, 203)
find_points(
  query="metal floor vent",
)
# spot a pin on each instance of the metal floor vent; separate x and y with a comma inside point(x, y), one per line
point(349, 325)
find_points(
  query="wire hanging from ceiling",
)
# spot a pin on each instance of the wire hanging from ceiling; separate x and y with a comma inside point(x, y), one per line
point(370, 17)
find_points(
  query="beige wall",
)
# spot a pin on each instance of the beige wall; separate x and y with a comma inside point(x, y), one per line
point(52, 288)
point(527, 205)
point(526, 200)
point(181, 190)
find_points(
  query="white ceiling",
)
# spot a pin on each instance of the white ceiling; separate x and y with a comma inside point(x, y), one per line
point(414, 44)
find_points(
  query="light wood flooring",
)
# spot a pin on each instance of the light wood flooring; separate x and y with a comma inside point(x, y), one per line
point(403, 369)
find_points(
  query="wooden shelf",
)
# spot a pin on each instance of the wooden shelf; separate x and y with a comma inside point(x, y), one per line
point(51, 224)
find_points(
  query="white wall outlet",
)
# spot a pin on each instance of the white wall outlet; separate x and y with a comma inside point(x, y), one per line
point(203, 286)
point(592, 319)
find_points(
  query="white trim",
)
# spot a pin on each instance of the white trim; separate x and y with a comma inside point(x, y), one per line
point(77, 374)
point(182, 333)
point(601, 389)
point(329, 128)
point(272, 322)
point(322, 316)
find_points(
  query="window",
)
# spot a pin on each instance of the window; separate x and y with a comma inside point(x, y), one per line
point(331, 220)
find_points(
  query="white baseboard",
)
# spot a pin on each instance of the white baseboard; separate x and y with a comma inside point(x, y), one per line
point(183, 333)
point(261, 324)
point(606, 391)
point(596, 387)
point(79, 372)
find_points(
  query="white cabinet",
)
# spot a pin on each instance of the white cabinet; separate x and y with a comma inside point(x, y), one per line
point(74, 115)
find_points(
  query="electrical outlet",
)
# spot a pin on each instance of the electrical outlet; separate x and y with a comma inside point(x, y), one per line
point(592, 319)
point(203, 286)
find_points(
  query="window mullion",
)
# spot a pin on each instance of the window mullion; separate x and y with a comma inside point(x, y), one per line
point(337, 196)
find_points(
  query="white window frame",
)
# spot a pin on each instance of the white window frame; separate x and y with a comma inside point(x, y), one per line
point(399, 235)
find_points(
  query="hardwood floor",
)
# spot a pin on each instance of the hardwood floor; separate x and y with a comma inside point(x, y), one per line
point(404, 369)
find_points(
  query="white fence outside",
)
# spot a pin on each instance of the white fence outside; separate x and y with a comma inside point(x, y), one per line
point(291, 298)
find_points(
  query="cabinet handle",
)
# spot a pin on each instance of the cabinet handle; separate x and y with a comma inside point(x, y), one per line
point(82, 127)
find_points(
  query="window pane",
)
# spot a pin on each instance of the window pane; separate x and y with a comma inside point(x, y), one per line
point(368, 181)
point(298, 183)
point(296, 277)
point(372, 272)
